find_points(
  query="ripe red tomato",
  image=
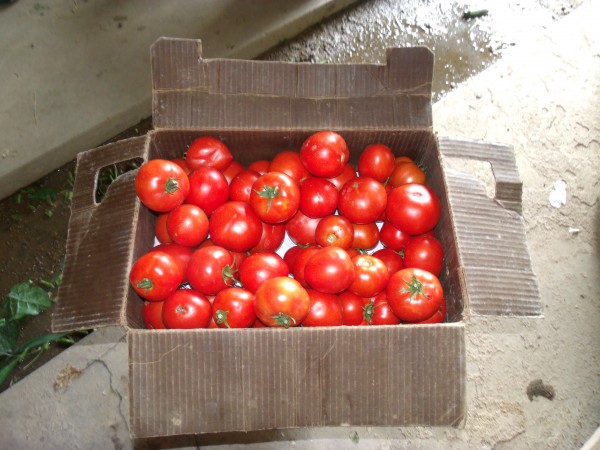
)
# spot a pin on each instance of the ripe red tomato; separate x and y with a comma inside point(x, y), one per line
point(392, 237)
point(353, 308)
point(234, 308)
point(211, 269)
point(281, 302)
point(406, 173)
point(352, 252)
point(261, 166)
point(379, 312)
point(155, 275)
point(370, 276)
point(334, 231)
point(414, 294)
point(235, 226)
point(259, 267)
point(388, 189)
point(275, 197)
point(271, 238)
point(291, 255)
point(438, 317)
point(391, 259)
point(238, 257)
point(181, 253)
point(424, 252)
point(362, 200)
point(318, 197)
point(232, 170)
point(324, 154)
point(298, 270)
point(403, 159)
point(241, 185)
point(289, 162)
point(413, 208)
point(377, 162)
point(187, 225)
point(152, 315)
point(366, 236)
point(208, 189)
point(161, 185)
point(160, 229)
point(325, 310)
point(302, 229)
point(348, 173)
point(207, 151)
point(185, 309)
point(329, 270)
point(258, 324)
point(181, 163)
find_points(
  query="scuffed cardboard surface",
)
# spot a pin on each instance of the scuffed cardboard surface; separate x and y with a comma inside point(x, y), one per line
point(99, 245)
point(190, 92)
point(203, 381)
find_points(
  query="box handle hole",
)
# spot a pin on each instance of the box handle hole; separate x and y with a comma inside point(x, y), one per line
point(108, 174)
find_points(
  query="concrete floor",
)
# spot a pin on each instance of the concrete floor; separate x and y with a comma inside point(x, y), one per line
point(541, 97)
point(76, 73)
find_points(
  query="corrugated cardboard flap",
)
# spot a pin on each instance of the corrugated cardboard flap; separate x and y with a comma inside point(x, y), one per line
point(490, 234)
point(100, 241)
point(241, 380)
point(191, 93)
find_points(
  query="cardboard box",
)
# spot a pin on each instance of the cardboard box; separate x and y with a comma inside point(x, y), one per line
point(200, 381)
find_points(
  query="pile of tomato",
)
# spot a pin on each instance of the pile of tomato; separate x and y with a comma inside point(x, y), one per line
point(305, 239)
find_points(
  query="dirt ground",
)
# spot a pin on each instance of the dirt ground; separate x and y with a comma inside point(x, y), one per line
point(33, 235)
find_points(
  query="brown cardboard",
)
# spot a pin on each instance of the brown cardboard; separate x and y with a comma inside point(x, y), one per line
point(260, 379)
point(201, 381)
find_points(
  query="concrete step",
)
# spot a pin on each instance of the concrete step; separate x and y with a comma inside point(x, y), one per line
point(76, 73)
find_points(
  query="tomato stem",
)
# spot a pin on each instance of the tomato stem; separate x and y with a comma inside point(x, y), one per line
point(269, 192)
point(145, 284)
point(228, 275)
point(368, 311)
point(171, 186)
point(283, 320)
point(221, 317)
point(414, 287)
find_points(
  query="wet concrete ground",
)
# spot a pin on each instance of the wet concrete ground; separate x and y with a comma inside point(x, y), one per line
point(466, 37)
point(33, 233)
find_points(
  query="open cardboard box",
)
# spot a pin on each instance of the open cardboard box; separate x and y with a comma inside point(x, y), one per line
point(200, 381)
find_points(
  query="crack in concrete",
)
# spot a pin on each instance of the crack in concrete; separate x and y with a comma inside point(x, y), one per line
point(99, 360)
point(115, 391)
point(507, 440)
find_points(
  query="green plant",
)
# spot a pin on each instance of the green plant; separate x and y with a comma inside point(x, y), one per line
point(110, 173)
point(25, 300)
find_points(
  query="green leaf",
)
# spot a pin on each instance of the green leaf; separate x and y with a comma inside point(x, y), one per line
point(9, 334)
point(47, 194)
point(8, 368)
point(26, 299)
point(41, 341)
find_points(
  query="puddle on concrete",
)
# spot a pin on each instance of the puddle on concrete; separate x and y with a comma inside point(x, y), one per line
point(32, 242)
point(462, 47)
